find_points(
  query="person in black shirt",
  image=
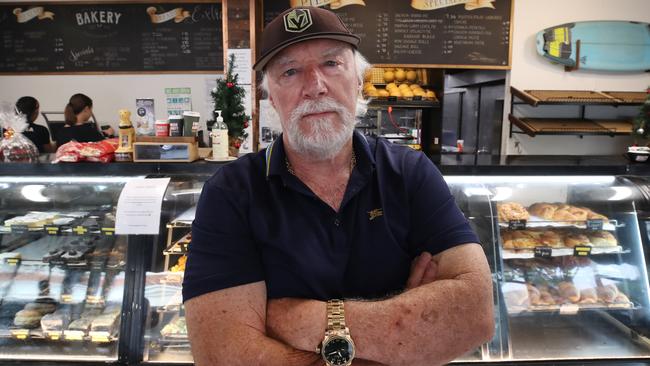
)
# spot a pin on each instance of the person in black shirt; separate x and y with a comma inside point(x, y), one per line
point(77, 113)
point(38, 134)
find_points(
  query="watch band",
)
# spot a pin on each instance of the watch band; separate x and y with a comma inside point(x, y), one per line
point(335, 315)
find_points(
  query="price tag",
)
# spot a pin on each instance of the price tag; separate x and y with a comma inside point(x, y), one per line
point(66, 299)
point(517, 224)
point(594, 224)
point(569, 309)
point(19, 229)
point(73, 335)
point(108, 231)
point(100, 337)
point(543, 252)
point(52, 229)
point(581, 251)
point(80, 230)
point(20, 333)
point(12, 261)
point(55, 336)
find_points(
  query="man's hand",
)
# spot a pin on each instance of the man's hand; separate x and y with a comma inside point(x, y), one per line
point(424, 269)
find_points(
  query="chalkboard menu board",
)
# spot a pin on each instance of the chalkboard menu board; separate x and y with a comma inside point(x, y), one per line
point(473, 33)
point(78, 37)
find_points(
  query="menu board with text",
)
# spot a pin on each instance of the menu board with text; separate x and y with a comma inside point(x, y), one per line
point(473, 33)
point(103, 37)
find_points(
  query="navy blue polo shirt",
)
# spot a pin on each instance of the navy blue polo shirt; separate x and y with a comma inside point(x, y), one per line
point(257, 222)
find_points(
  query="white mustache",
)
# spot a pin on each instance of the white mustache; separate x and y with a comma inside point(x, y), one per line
point(322, 105)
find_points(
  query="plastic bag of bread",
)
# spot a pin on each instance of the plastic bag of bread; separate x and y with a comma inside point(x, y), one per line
point(516, 295)
point(101, 151)
point(14, 146)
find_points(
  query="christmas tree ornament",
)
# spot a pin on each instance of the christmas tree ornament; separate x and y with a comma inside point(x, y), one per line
point(643, 118)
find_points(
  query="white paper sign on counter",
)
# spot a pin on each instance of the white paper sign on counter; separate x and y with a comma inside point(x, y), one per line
point(139, 205)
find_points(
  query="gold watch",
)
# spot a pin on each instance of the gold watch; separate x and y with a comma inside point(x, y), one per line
point(337, 348)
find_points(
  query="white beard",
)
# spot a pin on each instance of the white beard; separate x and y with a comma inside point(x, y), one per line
point(326, 137)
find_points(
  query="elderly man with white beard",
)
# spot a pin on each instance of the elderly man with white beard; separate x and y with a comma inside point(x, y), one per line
point(329, 247)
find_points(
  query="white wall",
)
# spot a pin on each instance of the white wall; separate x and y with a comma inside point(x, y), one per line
point(109, 92)
point(531, 71)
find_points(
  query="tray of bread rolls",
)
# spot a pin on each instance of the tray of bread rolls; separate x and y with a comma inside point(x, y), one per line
point(557, 241)
point(566, 284)
point(545, 214)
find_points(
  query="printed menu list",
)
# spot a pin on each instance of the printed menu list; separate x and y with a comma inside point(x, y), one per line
point(111, 37)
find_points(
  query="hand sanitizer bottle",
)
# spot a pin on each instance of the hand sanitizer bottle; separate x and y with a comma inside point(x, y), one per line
point(219, 136)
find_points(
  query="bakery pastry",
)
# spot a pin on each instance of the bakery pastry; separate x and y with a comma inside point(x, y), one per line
point(519, 239)
point(511, 211)
point(27, 318)
point(607, 293)
point(176, 327)
point(543, 210)
point(621, 298)
point(591, 215)
point(545, 296)
point(533, 294)
point(588, 296)
point(55, 322)
point(42, 307)
point(602, 238)
point(573, 239)
point(569, 291)
point(547, 238)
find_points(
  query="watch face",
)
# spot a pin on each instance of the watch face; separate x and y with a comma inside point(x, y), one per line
point(338, 351)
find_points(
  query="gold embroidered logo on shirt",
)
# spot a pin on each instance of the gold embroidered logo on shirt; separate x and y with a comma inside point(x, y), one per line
point(373, 214)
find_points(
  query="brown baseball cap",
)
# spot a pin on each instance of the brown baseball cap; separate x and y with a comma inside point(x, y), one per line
point(300, 24)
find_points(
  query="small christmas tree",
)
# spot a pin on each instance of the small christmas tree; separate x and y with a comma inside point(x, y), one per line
point(228, 96)
point(642, 121)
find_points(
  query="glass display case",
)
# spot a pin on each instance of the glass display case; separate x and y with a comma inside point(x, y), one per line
point(568, 263)
point(165, 335)
point(62, 269)
point(567, 254)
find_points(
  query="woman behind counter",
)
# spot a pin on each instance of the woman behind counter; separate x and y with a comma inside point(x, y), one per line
point(38, 134)
point(77, 113)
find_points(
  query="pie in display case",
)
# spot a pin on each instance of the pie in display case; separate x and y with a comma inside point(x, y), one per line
point(62, 269)
point(568, 264)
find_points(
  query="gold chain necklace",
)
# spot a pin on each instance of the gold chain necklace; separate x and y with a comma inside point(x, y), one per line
point(353, 163)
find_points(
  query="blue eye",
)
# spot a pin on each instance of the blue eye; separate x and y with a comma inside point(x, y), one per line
point(331, 63)
point(289, 72)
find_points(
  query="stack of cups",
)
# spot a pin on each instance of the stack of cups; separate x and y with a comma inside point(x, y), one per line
point(185, 125)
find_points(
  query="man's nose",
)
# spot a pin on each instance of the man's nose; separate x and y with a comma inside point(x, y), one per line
point(314, 84)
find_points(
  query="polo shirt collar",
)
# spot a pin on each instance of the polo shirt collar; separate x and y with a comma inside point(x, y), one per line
point(276, 155)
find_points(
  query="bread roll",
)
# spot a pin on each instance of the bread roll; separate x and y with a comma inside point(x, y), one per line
point(572, 239)
point(602, 238)
point(569, 291)
point(543, 210)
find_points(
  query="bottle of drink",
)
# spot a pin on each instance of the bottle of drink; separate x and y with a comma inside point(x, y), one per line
point(219, 136)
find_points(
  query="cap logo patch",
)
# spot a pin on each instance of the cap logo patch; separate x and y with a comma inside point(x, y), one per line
point(297, 20)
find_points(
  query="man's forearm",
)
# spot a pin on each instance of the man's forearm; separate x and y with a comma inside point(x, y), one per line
point(433, 323)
